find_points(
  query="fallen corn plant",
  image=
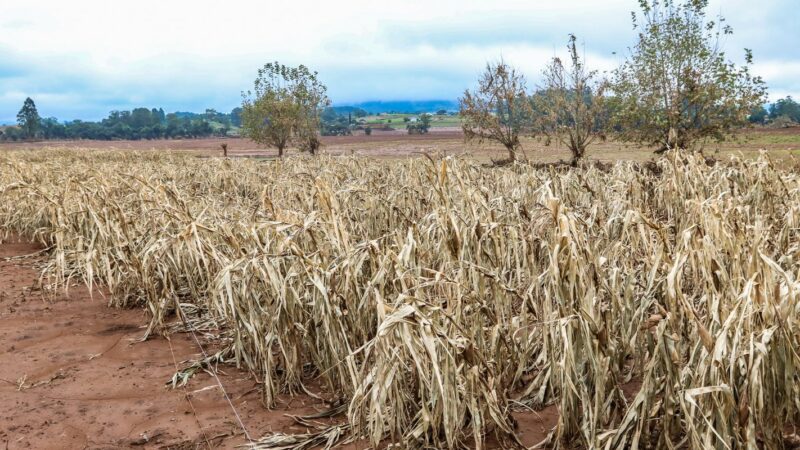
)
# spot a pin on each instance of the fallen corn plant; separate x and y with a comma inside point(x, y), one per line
point(432, 297)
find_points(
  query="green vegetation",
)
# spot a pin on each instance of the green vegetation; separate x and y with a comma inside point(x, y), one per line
point(140, 123)
point(349, 111)
point(421, 125)
point(570, 108)
point(284, 107)
point(335, 123)
point(677, 88)
point(785, 108)
point(773, 138)
point(499, 110)
point(28, 119)
point(399, 120)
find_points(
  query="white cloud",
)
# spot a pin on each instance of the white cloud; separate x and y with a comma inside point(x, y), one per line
point(85, 57)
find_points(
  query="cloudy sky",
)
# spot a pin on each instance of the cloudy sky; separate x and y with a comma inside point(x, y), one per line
point(83, 58)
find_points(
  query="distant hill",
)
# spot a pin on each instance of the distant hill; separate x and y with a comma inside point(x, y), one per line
point(400, 106)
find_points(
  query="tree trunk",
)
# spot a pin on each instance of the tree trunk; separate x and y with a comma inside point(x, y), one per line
point(280, 151)
point(577, 155)
point(512, 153)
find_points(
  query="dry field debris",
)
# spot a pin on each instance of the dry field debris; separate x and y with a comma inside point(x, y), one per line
point(433, 297)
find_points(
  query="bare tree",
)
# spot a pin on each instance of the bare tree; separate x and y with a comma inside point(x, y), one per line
point(570, 108)
point(499, 110)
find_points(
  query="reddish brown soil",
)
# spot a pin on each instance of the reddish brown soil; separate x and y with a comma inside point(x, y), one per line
point(236, 145)
point(73, 375)
point(781, 143)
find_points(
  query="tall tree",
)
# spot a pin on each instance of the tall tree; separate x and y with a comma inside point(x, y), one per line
point(758, 115)
point(312, 99)
point(284, 107)
point(571, 106)
point(498, 110)
point(677, 88)
point(28, 119)
point(268, 111)
point(786, 107)
point(236, 117)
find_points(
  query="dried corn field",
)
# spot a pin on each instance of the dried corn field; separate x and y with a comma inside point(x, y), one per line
point(432, 297)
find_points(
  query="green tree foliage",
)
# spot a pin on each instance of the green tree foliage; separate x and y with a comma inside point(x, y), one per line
point(571, 107)
point(28, 119)
point(13, 134)
point(425, 121)
point(422, 126)
point(312, 99)
point(144, 123)
point(51, 128)
point(269, 111)
point(498, 110)
point(758, 115)
point(335, 124)
point(786, 107)
point(140, 123)
point(284, 107)
point(236, 117)
point(676, 88)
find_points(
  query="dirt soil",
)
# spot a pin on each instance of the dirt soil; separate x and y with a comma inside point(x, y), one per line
point(74, 375)
point(781, 143)
point(243, 146)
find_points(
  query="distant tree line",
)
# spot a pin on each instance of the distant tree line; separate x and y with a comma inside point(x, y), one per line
point(340, 121)
point(137, 124)
point(783, 113)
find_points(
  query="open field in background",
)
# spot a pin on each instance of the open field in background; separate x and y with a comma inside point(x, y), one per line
point(431, 302)
point(396, 120)
point(781, 143)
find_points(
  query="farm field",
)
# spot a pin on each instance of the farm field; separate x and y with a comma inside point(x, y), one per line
point(781, 143)
point(439, 226)
point(435, 302)
point(74, 367)
point(397, 120)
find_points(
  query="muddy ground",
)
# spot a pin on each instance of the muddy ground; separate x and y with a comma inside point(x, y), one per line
point(74, 375)
point(781, 143)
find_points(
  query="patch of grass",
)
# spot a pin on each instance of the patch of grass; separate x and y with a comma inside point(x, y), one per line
point(397, 120)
